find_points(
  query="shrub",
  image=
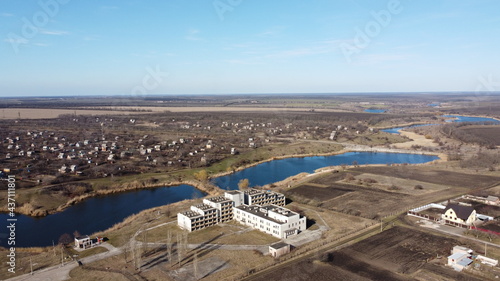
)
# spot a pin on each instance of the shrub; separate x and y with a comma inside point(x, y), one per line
point(394, 187)
point(418, 187)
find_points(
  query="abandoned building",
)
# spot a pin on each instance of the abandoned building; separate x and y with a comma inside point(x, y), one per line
point(260, 209)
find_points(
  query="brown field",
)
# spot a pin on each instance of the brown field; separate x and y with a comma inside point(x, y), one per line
point(320, 193)
point(382, 191)
point(425, 174)
point(43, 113)
point(396, 254)
point(489, 134)
point(493, 226)
point(484, 209)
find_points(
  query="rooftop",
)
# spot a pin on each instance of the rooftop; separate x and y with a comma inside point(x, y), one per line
point(218, 199)
point(204, 207)
point(463, 212)
point(233, 192)
point(279, 245)
point(191, 214)
point(280, 210)
point(255, 210)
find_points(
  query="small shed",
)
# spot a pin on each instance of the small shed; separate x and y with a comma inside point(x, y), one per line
point(276, 250)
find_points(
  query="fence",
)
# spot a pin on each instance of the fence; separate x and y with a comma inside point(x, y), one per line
point(415, 214)
point(485, 230)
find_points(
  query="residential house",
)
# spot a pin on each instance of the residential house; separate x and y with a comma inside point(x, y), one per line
point(461, 214)
point(460, 258)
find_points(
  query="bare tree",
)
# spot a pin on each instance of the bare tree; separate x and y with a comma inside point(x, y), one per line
point(169, 246)
point(243, 184)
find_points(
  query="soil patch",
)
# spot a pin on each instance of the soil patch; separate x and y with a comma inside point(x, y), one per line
point(319, 193)
point(432, 176)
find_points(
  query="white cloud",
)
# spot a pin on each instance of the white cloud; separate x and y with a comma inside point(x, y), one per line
point(6, 15)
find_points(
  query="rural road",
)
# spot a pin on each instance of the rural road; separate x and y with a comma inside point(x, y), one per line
point(59, 272)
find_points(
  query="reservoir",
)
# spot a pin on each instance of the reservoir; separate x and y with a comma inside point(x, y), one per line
point(100, 213)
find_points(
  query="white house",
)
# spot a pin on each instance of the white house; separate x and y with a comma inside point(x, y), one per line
point(459, 214)
point(459, 261)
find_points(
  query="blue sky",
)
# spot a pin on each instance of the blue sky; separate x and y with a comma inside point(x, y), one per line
point(120, 47)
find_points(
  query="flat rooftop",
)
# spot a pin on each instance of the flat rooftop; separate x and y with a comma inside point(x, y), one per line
point(280, 210)
point(191, 214)
point(279, 245)
point(255, 210)
point(233, 192)
point(204, 207)
point(219, 199)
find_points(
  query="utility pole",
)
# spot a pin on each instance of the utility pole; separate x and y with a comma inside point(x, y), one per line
point(31, 265)
point(62, 256)
point(54, 247)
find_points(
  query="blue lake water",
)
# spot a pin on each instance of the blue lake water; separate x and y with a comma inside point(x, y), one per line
point(92, 215)
point(375, 110)
point(458, 118)
point(278, 170)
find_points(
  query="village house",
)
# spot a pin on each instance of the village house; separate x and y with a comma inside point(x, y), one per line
point(456, 213)
point(460, 258)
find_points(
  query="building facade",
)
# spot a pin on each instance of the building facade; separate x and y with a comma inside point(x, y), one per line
point(220, 209)
point(461, 214)
point(262, 198)
point(200, 216)
point(271, 219)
